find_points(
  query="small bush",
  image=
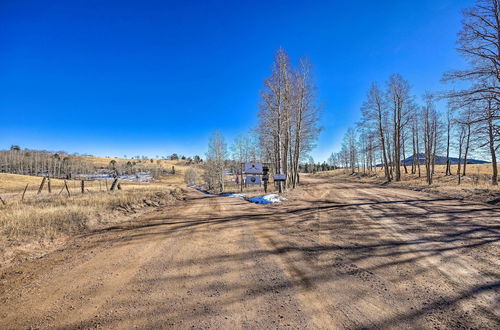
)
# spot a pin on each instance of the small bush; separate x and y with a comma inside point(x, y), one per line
point(191, 177)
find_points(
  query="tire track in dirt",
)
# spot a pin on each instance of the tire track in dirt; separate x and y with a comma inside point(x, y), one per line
point(321, 292)
point(86, 286)
point(452, 273)
point(436, 268)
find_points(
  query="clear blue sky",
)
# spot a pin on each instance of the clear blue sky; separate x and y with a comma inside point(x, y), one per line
point(157, 77)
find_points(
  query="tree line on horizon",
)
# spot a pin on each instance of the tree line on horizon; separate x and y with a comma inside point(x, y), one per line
point(62, 165)
point(394, 124)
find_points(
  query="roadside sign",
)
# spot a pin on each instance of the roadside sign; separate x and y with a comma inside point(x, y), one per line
point(279, 177)
point(253, 168)
point(252, 179)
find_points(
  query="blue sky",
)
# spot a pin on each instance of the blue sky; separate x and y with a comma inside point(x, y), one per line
point(157, 77)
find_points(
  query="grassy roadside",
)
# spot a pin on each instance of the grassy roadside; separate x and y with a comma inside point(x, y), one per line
point(45, 221)
point(475, 186)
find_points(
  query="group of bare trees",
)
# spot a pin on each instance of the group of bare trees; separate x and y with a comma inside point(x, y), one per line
point(65, 166)
point(133, 167)
point(288, 117)
point(216, 161)
point(245, 149)
point(479, 101)
point(394, 125)
point(36, 162)
point(286, 132)
point(390, 124)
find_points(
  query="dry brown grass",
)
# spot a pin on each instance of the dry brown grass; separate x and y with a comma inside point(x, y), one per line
point(47, 216)
point(45, 219)
point(15, 183)
point(164, 163)
point(42, 221)
point(476, 185)
point(12, 185)
point(179, 165)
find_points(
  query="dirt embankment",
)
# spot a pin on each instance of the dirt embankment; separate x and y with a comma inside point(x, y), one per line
point(34, 227)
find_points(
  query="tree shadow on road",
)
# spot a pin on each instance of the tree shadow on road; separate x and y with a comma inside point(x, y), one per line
point(375, 251)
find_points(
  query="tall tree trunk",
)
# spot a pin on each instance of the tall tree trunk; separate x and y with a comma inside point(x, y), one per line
point(384, 149)
point(404, 155)
point(448, 165)
point(467, 144)
point(491, 136)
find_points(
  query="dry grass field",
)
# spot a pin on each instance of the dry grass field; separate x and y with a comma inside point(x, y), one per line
point(475, 185)
point(15, 184)
point(43, 221)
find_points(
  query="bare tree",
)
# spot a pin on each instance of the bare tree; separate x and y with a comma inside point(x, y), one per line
point(430, 126)
point(492, 116)
point(398, 100)
point(448, 135)
point(461, 138)
point(191, 177)
point(467, 120)
point(288, 117)
point(415, 129)
point(275, 105)
point(479, 43)
point(215, 163)
point(303, 127)
point(350, 141)
point(373, 111)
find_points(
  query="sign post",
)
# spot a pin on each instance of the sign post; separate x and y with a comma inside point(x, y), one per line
point(241, 177)
point(256, 173)
point(265, 177)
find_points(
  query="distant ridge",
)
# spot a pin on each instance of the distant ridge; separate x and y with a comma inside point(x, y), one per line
point(442, 160)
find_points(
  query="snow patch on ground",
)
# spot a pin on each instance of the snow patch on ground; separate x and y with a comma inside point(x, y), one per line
point(240, 196)
point(267, 199)
point(263, 199)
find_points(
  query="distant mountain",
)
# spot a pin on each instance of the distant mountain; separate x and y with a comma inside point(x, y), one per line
point(442, 160)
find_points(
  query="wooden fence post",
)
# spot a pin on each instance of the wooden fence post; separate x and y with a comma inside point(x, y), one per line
point(49, 185)
point(24, 192)
point(67, 189)
point(106, 183)
point(41, 185)
point(83, 186)
point(113, 185)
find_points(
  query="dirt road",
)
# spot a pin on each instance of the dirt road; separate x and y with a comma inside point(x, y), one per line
point(337, 255)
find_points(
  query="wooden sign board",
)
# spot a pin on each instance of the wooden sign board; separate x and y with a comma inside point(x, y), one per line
point(252, 179)
point(279, 177)
point(253, 168)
